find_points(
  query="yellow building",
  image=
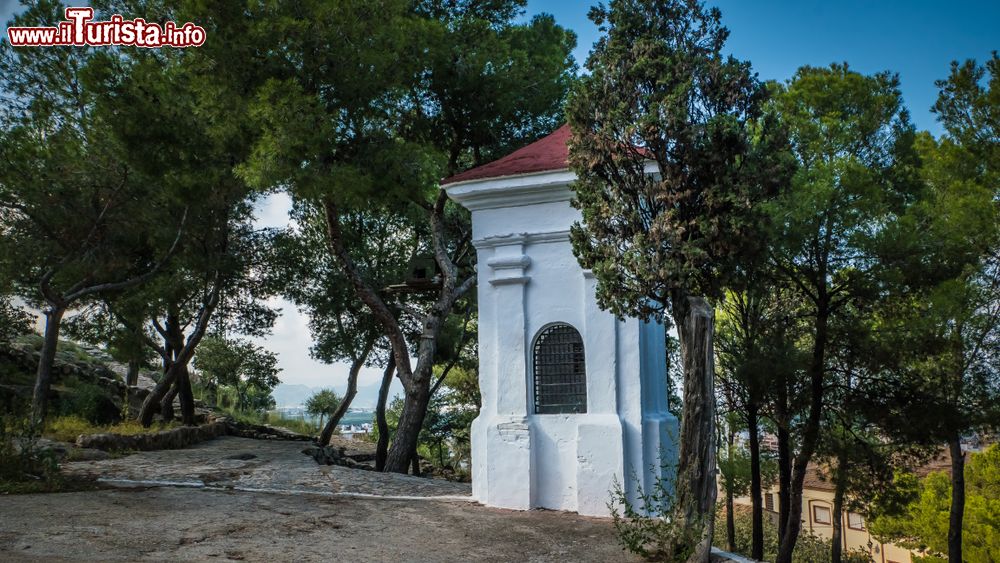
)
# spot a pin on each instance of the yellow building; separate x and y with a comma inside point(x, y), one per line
point(817, 518)
point(817, 512)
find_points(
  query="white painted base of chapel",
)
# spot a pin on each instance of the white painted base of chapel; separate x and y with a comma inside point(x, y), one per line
point(530, 281)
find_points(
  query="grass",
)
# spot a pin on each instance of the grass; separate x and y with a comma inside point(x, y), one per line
point(245, 417)
point(68, 428)
point(298, 425)
point(273, 418)
point(10, 375)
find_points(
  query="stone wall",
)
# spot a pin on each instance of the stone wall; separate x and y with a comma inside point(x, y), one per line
point(173, 439)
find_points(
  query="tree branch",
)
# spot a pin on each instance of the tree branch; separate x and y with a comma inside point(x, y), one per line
point(366, 293)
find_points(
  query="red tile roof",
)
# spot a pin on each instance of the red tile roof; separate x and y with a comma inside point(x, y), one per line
point(546, 154)
point(820, 480)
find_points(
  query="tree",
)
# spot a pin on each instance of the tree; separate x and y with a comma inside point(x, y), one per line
point(249, 369)
point(380, 143)
point(660, 91)
point(852, 139)
point(924, 523)
point(341, 325)
point(194, 133)
point(14, 320)
point(322, 404)
point(757, 359)
point(735, 472)
point(969, 312)
point(81, 222)
point(949, 326)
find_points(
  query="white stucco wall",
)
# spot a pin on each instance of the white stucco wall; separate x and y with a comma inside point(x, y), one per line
point(529, 279)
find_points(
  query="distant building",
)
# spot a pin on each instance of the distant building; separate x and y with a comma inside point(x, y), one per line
point(817, 514)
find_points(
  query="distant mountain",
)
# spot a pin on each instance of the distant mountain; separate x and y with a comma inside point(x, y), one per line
point(291, 395)
point(367, 396)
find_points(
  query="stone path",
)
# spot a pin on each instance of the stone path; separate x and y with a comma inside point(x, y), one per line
point(237, 499)
point(185, 524)
point(259, 465)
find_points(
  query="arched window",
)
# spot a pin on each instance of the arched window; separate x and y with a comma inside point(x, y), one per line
point(560, 373)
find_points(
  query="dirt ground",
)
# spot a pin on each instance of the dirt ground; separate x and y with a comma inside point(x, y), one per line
point(191, 524)
point(257, 500)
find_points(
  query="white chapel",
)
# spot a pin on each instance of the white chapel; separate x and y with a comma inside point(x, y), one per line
point(573, 399)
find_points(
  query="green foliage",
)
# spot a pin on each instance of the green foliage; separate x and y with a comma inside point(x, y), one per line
point(300, 425)
point(89, 402)
point(249, 370)
point(245, 417)
point(24, 465)
point(480, 51)
point(392, 413)
point(923, 523)
point(14, 321)
point(659, 88)
point(76, 214)
point(969, 108)
point(641, 528)
point(808, 549)
point(852, 138)
point(382, 243)
point(68, 428)
point(735, 470)
point(445, 439)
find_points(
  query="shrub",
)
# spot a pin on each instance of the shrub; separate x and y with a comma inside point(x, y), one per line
point(644, 530)
point(88, 401)
point(68, 427)
point(24, 465)
point(808, 549)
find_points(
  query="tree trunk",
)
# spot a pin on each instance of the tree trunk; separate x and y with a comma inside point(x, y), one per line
point(132, 376)
point(957, 512)
point(810, 437)
point(182, 358)
point(153, 401)
point(404, 441)
point(415, 465)
point(43, 378)
point(415, 381)
point(186, 395)
point(756, 494)
point(730, 508)
point(167, 402)
point(696, 487)
point(730, 521)
point(784, 459)
point(345, 403)
point(837, 543)
point(382, 448)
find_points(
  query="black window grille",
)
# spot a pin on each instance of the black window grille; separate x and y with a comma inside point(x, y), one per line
point(560, 371)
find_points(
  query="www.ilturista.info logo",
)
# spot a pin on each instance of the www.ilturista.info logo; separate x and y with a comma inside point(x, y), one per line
point(78, 30)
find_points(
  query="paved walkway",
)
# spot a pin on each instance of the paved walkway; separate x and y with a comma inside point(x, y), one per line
point(259, 465)
point(239, 499)
point(185, 524)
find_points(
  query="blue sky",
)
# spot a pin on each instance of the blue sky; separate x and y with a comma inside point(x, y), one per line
point(916, 38)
